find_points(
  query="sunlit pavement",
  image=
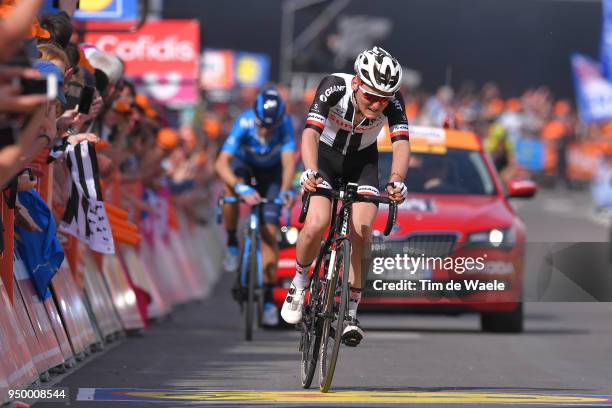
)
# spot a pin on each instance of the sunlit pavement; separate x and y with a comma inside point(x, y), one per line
point(198, 356)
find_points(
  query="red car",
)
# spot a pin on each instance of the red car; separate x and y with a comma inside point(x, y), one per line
point(458, 245)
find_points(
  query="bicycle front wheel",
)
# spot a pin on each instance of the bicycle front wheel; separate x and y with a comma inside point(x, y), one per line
point(310, 341)
point(334, 312)
point(251, 266)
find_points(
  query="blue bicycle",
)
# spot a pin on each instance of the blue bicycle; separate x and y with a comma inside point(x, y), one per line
point(248, 290)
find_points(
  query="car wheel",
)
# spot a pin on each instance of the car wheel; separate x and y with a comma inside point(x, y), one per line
point(503, 322)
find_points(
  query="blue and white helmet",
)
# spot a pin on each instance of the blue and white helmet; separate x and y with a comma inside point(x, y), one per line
point(269, 108)
point(379, 70)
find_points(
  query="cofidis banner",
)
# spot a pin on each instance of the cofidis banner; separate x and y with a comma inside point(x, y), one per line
point(162, 57)
point(593, 91)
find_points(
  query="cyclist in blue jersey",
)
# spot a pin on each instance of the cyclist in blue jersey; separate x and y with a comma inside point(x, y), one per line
point(260, 146)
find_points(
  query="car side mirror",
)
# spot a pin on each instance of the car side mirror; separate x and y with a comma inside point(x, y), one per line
point(522, 189)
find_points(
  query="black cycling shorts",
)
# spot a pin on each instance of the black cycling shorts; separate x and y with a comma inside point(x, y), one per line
point(360, 167)
point(268, 186)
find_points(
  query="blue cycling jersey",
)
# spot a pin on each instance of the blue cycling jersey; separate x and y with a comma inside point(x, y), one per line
point(244, 143)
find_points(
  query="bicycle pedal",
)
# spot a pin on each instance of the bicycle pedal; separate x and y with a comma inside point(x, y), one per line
point(351, 342)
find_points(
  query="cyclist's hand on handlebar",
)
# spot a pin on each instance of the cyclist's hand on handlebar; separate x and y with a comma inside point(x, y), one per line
point(252, 199)
point(310, 179)
point(247, 193)
point(397, 191)
point(287, 197)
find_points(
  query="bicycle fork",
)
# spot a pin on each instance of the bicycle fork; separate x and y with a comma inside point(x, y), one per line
point(253, 226)
point(334, 252)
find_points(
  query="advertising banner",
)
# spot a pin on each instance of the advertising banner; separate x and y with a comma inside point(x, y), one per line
point(162, 58)
point(227, 69)
point(530, 154)
point(593, 91)
point(606, 40)
point(251, 70)
point(217, 70)
point(96, 10)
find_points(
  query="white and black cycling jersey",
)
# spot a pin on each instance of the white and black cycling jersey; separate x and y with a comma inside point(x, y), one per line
point(332, 111)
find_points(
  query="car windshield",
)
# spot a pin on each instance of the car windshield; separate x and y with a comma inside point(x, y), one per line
point(455, 172)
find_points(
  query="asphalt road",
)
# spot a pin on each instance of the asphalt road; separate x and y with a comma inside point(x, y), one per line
point(197, 356)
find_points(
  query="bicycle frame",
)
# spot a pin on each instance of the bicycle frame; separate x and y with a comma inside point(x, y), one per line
point(253, 229)
point(322, 309)
point(250, 275)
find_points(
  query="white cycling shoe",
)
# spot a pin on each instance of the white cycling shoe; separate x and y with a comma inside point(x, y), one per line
point(352, 333)
point(270, 315)
point(230, 262)
point(294, 304)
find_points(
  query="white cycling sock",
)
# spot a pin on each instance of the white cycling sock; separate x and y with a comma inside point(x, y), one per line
point(301, 280)
point(354, 299)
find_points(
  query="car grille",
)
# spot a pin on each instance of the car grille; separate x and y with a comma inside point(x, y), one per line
point(429, 245)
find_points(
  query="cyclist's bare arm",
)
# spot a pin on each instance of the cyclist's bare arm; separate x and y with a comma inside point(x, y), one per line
point(224, 170)
point(288, 162)
point(400, 161)
point(400, 136)
point(310, 147)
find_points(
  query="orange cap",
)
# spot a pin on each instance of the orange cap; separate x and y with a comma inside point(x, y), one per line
point(212, 127)
point(84, 62)
point(142, 100)
point(496, 106)
point(36, 31)
point(150, 112)
point(513, 105)
point(122, 106)
point(606, 129)
point(167, 138)
point(553, 130)
point(562, 108)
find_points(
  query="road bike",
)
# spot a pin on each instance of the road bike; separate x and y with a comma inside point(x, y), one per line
point(327, 306)
point(248, 290)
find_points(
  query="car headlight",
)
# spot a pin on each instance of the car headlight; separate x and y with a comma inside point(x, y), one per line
point(502, 238)
point(290, 234)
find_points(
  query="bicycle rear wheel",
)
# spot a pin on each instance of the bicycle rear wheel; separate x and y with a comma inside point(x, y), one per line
point(310, 341)
point(251, 266)
point(332, 336)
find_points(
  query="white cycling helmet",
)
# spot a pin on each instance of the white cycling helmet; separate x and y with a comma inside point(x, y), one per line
point(379, 70)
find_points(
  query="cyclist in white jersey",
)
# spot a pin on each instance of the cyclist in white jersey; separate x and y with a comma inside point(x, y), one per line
point(339, 141)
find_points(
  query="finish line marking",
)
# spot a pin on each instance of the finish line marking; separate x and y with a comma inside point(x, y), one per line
point(341, 397)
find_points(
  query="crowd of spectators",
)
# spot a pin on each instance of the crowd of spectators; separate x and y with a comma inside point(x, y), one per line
point(67, 103)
